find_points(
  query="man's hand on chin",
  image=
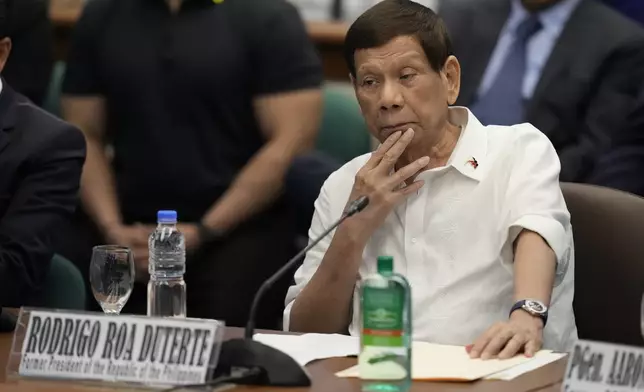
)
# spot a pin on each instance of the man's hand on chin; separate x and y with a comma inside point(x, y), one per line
point(521, 333)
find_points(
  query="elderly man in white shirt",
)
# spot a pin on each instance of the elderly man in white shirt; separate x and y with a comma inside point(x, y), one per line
point(473, 215)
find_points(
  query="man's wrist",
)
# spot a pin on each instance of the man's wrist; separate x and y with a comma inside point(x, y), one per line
point(522, 315)
point(107, 229)
point(208, 234)
point(354, 233)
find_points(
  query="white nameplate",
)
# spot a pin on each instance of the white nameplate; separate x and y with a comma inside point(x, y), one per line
point(603, 367)
point(118, 348)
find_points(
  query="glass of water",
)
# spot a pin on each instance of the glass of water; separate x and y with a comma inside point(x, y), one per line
point(111, 275)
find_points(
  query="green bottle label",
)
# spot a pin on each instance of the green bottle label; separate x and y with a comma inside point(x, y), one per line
point(383, 316)
point(384, 354)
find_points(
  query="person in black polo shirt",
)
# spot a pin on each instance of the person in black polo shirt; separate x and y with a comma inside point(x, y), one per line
point(205, 103)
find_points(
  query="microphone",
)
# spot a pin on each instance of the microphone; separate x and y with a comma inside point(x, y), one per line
point(7, 321)
point(275, 367)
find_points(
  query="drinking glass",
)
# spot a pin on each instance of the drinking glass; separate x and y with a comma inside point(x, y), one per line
point(111, 275)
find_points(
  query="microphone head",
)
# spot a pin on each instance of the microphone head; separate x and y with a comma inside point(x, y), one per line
point(358, 205)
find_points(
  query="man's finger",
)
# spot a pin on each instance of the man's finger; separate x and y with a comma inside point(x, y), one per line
point(410, 189)
point(391, 156)
point(497, 343)
point(377, 155)
point(513, 347)
point(482, 341)
point(532, 346)
point(407, 172)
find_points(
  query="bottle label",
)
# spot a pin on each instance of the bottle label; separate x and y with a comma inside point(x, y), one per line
point(384, 354)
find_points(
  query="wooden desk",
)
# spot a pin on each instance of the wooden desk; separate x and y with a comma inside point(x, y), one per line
point(328, 37)
point(324, 380)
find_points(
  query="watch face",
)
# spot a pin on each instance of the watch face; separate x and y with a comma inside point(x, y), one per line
point(535, 306)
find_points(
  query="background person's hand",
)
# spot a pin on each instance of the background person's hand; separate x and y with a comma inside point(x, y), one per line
point(190, 233)
point(385, 187)
point(134, 237)
point(521, 333)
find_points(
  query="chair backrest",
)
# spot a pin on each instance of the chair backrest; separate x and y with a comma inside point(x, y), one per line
point(343, 134)
point(65, 287)
point(608, 229)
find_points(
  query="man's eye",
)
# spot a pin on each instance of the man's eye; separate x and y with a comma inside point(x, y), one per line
point(407, 77)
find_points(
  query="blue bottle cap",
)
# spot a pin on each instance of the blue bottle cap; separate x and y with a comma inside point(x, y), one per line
point(167, 216)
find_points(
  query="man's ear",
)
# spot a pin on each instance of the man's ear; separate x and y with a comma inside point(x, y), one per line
point(5, 49)
point(451, 74)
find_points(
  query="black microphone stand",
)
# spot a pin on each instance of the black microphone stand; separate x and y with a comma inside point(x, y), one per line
point(275, 368)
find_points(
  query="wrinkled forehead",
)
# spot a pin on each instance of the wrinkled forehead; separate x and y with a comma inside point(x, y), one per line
point(397, 53)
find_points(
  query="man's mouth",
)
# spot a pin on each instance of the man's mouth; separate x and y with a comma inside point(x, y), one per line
point(386, 131)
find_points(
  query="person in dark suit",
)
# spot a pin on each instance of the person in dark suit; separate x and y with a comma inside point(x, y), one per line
point(29, 68)
point(41, 159)
point(634, 9)
point(622, 165)
point(569, 67)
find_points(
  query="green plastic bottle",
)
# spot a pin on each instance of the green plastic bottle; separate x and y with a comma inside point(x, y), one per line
point(385, 336)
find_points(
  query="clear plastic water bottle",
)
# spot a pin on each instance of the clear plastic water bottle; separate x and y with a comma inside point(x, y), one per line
point(167, 264)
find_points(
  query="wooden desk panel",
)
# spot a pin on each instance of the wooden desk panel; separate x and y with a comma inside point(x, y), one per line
point(328, 37)
point(322, 373)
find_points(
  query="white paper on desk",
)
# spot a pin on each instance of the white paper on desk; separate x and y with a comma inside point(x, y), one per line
point(542, 358)
point(439, 362)
point(309, 347)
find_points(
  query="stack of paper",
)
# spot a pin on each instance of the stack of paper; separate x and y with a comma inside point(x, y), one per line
point(437, 362)
point(429, 362)
point(311, 346)
point(542, 358)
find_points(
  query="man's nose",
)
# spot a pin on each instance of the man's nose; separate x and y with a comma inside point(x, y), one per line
point(391, 96)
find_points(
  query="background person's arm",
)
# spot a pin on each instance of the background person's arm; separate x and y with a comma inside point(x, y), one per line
point(97, 185)
point(98, 190)
point(290, 122)
point(286, 84)
point(83, 105)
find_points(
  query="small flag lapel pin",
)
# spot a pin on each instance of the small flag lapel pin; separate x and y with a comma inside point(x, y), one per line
point(473, 162)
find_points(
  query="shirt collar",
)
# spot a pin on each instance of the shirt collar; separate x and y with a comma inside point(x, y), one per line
point(553, 18)
point(469, 155)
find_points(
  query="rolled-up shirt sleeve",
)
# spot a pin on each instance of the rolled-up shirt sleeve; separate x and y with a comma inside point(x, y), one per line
point(534, 198)
point(322, 219)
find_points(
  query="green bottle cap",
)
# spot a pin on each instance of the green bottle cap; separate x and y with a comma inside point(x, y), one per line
point(385, 264)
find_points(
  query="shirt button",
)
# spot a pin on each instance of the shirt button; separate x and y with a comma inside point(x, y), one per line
point(413, 240)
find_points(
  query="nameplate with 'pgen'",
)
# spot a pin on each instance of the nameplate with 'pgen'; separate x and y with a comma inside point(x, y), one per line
point(603, 367)
point(129, 349)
